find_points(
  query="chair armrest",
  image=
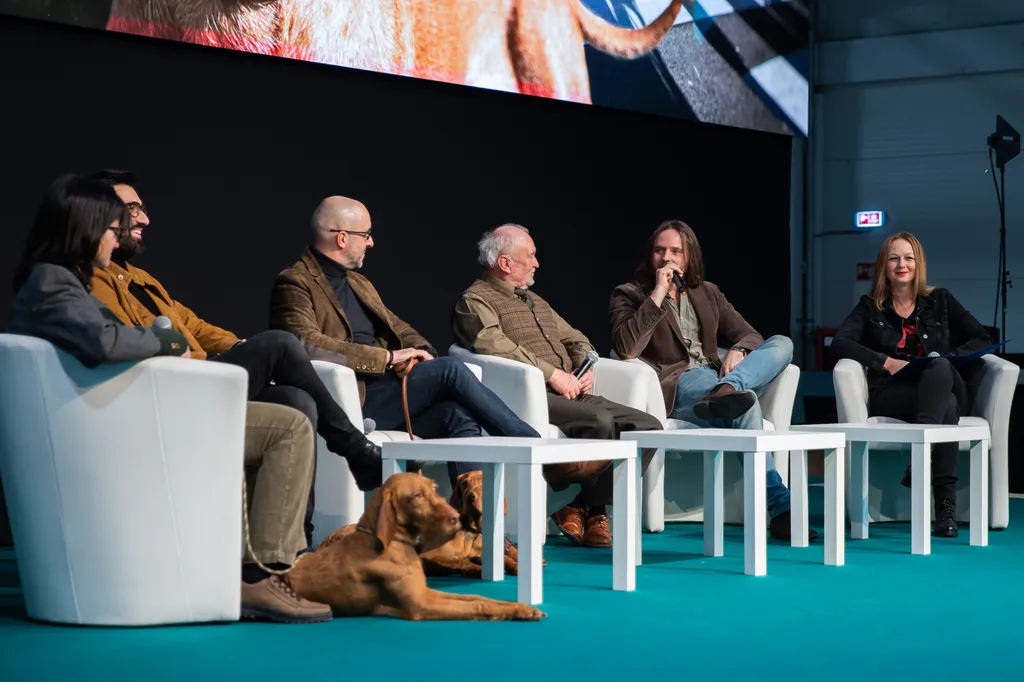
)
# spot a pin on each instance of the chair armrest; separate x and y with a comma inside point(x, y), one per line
point(623, 382)
point(519, 385)
point(851, 384)
point(341, 382)
point(994, 396)
point(778, 398)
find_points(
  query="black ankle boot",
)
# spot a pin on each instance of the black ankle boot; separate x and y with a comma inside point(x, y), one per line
point(366, 466)
point(945, 519)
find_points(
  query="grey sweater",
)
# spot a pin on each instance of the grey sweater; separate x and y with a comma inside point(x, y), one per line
point(53, 305)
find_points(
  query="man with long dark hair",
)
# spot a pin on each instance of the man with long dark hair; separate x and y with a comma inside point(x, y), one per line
point(671, 318)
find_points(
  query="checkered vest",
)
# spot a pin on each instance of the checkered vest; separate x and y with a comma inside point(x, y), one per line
point(534, 329)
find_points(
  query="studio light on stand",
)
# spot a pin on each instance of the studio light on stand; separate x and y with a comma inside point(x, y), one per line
point(1003, 146)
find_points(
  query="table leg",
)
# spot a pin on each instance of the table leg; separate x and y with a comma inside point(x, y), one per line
point(530, 589)
point(798, 495)
point(920, 498)
point(639, 552)
point(494, 522)
point(835, 531)
point(755, 559)
point(979, 493)
point(624, 525)
point(860, 517)
point(714, 504)
point(390, 467)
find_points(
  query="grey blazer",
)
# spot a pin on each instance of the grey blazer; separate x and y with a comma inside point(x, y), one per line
point(53, 305)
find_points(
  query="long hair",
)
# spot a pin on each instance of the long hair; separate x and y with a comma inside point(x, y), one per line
point(694, 275)
point(882, 290)
point(70, 222)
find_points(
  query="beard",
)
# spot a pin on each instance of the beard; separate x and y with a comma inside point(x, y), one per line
point(128, 247)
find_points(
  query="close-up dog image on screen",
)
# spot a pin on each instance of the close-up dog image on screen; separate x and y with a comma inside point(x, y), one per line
point(735, 62)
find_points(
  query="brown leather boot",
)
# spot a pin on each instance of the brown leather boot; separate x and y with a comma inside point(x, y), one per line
point(273, 599)
point(723, 402)
point(597, 534)
point(570, 521)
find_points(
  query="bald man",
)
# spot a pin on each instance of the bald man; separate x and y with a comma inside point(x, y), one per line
point(279, 369)
point(341, 318)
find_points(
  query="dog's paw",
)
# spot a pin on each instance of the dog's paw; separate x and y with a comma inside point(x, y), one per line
point(527, 612)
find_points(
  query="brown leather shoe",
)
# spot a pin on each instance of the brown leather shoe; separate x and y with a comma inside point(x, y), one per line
point(570, 521)
point(598, 533)
point(274, 599)
point(724, 402)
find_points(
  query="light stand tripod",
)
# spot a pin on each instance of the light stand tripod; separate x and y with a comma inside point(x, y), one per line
point(1005, 143)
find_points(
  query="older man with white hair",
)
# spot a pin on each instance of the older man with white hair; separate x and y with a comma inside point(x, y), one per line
point(498, 316)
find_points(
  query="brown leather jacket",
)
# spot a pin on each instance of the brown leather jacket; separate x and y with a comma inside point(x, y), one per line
point(643, 330)
point(303, 302)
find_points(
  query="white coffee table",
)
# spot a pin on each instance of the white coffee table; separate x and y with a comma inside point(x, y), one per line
point(529, 455)
point(754, 445)
point(920, 437)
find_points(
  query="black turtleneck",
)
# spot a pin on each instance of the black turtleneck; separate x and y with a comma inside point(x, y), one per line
point(355, 311)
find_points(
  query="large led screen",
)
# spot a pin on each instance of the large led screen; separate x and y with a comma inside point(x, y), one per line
point(735, 62)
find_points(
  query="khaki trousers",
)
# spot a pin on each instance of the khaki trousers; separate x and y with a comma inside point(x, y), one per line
point(279, 460)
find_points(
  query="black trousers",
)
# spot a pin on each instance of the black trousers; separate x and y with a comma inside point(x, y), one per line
point(278, 357)
point(936, 395)
point(591, 416)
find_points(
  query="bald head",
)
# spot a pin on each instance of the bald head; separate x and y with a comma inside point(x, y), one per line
point(340, 226)
point(339, 213)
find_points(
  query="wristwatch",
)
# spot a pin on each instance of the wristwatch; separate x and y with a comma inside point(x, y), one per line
point(743, 351)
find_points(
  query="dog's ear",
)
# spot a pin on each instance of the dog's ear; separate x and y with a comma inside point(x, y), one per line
point(387, 521)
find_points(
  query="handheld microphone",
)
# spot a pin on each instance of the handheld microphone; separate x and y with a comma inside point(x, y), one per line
point(162, 322)
point(369, 425)
point(678, 281)
point(588, 363)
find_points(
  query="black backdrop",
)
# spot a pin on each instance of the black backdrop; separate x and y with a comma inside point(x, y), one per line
point(234, 151)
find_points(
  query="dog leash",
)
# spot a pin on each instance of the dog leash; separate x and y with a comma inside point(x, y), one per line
point(404, 376)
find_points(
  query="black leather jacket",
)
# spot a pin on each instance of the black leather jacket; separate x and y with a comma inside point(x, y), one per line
point(869, 335)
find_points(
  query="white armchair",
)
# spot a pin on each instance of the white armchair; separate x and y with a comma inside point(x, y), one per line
point(338, 500)
point(523, 389)
point(887, 499)
point(124, 485)
point(685, 498)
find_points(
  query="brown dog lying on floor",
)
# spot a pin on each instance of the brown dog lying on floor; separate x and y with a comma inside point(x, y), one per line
point(376, 571)
point(463, 554)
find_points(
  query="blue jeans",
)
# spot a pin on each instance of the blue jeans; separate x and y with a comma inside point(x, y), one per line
point(446, 400)
point(755, 372)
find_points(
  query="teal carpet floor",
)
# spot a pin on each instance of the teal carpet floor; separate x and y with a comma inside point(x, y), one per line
point(886, 615)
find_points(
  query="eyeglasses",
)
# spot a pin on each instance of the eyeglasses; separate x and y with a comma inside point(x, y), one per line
point(135, 208)
point(368, 234)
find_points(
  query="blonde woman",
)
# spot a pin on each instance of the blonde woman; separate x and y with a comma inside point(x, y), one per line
point(905, 318)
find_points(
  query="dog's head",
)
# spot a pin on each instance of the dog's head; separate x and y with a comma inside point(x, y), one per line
point(408, 509)
point(468, 498)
